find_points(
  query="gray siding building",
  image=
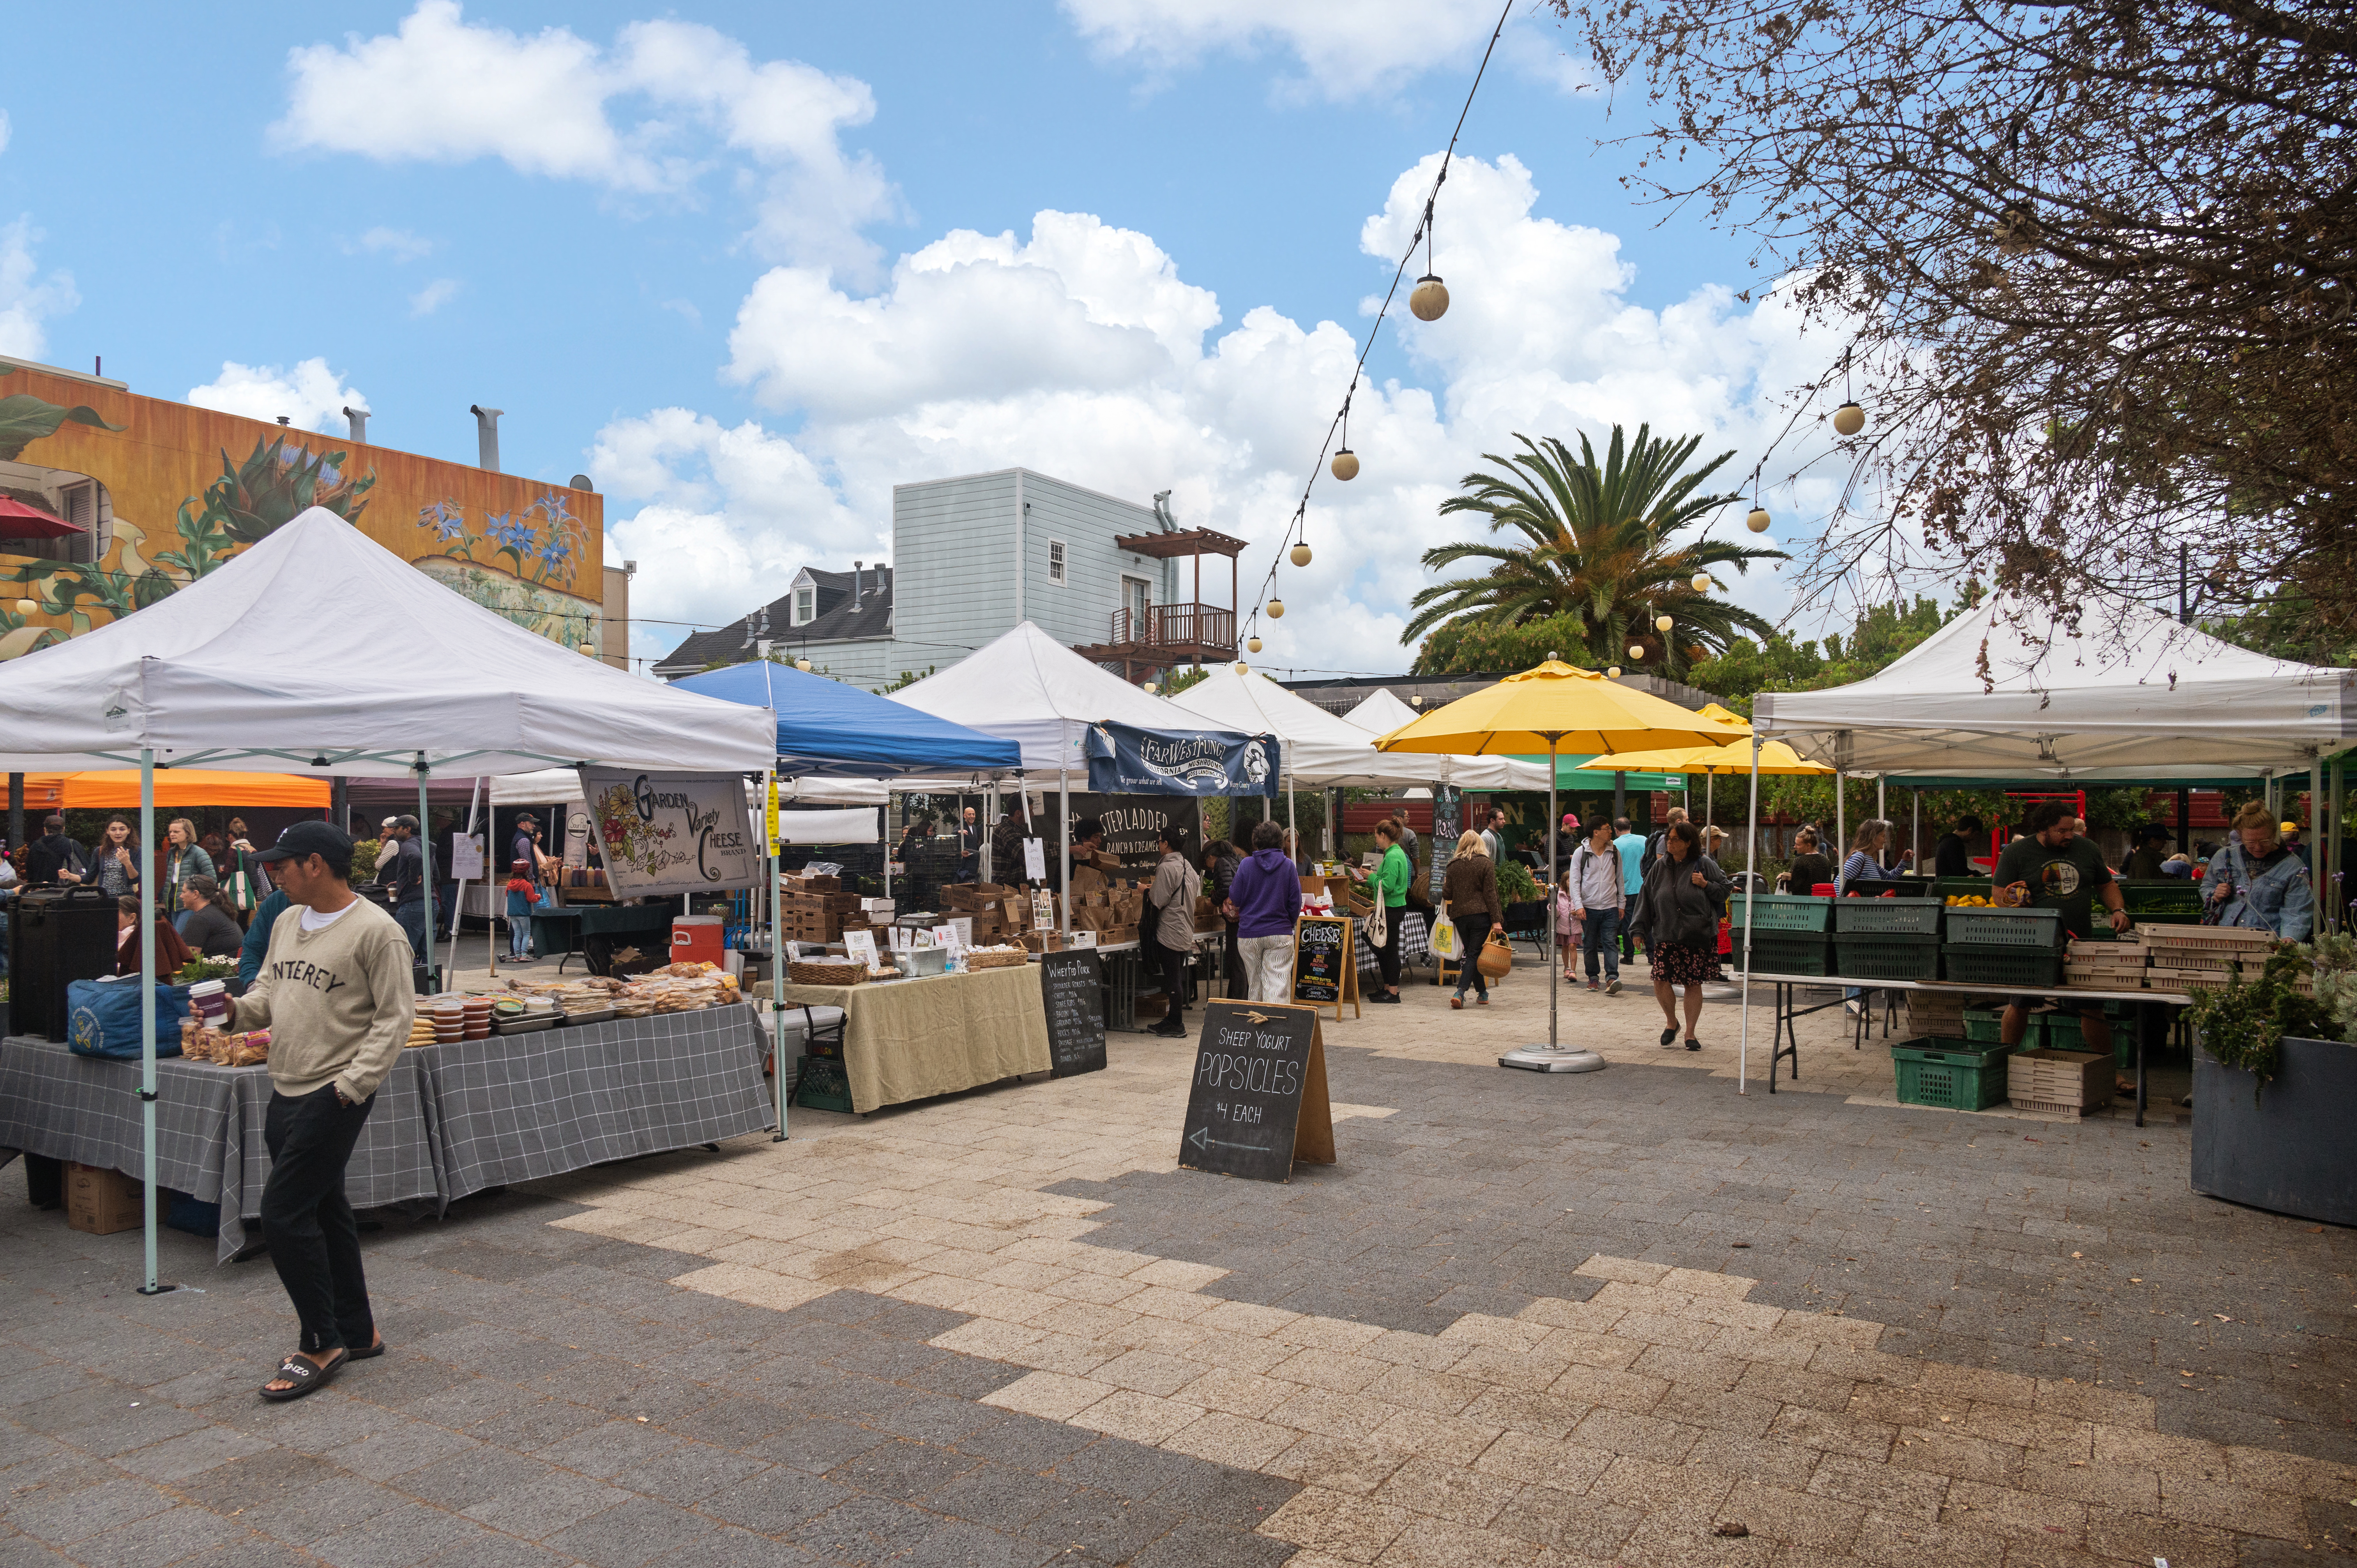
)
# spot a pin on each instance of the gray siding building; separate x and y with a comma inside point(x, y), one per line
point(974, 556)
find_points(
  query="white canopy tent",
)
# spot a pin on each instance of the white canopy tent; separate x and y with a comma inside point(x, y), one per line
point(1382, 712)
point(2005, 693)
point(317, 651)
point(1030, 689)
point(562, 787)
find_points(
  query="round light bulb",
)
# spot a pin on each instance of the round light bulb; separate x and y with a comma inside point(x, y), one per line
point(1252, 645)
point(1849, 419)
point(1151, 688)
point(1277, 609)
point(1636, 653)
point(1301, 555)
point(1701, 582)
point(28, 607)
point(1758, 520)
point(1430, 298)
point(1345, 464)
point(1614, 672)
point(1662, 623)
point(589, 651)
point(1243, 667)
point(801, 664)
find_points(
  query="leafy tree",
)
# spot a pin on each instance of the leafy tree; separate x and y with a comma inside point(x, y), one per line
point(2090, 262)
point(1880, 634)
point(1178, 681)
point(1472, 645)
point(1597, 551)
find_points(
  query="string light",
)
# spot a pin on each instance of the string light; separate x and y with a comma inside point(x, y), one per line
point(1277, 609)
point(1614, 672)
point(1848, 419)
point(1419, 301)
point(802, 664)
point(1701, 582)
point(1662, 623)
point(1253, 646)
point(28, 607)
point(1636, 653)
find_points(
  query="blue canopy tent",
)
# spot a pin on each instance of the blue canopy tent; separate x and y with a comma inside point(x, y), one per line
point(829, 729)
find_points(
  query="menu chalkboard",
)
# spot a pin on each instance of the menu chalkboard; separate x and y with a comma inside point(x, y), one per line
point(1258, 1101)
point(1325, 961)
point(1073, 990)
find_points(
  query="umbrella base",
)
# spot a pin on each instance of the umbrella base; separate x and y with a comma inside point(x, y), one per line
point(1552, 1058)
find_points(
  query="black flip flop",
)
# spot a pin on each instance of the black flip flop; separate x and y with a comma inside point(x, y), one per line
point(304, 1377)
point(369, 1354)
point(1668, 1036)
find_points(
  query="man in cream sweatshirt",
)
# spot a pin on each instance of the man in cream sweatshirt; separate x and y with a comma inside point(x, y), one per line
point(337, 994)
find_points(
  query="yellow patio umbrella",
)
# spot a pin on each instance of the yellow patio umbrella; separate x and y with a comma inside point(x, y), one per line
point(1713, 762)
point(1556, 708)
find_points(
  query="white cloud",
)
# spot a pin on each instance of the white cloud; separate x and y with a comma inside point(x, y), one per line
point(1081, 351)
point(27, 299)
point(399, 243)
point(433, 296)
point(690, 99)
point(308, 394)
point(1344, 51)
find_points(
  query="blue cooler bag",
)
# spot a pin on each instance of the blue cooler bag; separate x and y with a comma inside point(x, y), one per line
point(102, 1018)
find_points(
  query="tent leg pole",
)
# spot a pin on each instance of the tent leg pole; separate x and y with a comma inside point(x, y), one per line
point(1751, 893)
point(776, 954)
point(1064, 811)
point(1841, 826)
point(1915, 834)
point(426, 848)
point(147, 1019)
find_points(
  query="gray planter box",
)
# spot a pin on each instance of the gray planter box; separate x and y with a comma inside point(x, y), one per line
point(2291, 1153)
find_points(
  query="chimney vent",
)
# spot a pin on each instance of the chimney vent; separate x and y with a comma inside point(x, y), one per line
point(358, 418)
point(284, 420)
point(487, 435)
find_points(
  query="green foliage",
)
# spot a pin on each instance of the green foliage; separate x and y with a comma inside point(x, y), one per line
point(908, 678)
point(1880, 634)
point(364, 858)
point(2286, 625)
point(1471, 646)
point(202, 968)
point(2240, 1025)
point(1597, 552)
point(25, 419)
point(254, 499)
point(2122, 808)
point(1178, 681)
point(1516, 882)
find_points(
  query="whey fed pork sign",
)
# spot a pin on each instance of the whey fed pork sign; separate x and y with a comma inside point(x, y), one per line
point(1126, 760)
point(663, 834)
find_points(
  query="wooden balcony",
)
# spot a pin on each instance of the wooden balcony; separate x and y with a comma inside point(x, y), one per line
point(1166, 636)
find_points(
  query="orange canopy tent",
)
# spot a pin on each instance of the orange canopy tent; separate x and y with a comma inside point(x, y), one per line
point(118, 790)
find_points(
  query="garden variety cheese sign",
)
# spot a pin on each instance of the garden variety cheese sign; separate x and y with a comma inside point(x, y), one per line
point(669, 834)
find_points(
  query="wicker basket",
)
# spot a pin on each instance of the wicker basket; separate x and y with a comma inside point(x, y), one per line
point(1015, 959)
point(844, 972)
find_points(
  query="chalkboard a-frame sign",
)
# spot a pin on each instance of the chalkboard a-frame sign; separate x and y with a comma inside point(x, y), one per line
point(1073, 992)
point(1326, 963)
point(1257, 1103)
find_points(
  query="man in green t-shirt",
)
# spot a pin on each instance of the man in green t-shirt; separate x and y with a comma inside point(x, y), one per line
point(2055, 868)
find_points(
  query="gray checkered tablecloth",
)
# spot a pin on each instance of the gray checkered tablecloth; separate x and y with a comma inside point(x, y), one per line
point(1416, 942)
point(209, 1128)
point(519, 1106)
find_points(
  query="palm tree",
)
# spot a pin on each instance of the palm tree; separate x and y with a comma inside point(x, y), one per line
point(1600, 550)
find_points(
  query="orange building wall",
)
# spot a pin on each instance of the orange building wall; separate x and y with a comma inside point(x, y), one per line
point(531, 550)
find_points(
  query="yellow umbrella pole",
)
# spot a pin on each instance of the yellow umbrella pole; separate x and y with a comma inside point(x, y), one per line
point(1552, 1057)
point(1750, 897)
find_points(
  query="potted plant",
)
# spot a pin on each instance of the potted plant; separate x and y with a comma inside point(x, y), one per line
point(2275, 1085)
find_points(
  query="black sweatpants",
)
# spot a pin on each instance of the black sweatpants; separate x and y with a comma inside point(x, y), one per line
point(314, 1242)
point(1174, 977)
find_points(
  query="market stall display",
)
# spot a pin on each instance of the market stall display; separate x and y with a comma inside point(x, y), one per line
point(913, 1038)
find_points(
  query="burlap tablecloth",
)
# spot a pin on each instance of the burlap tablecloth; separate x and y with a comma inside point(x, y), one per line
point(912, 1039)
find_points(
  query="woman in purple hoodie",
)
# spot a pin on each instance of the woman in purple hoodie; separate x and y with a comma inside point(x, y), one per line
point(1264, 901)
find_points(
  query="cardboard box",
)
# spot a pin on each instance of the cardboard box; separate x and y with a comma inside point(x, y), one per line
point(1044, 942)
point(813, 884)
point(100, 1202)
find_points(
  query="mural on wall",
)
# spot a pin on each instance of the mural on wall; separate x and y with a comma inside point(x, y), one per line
point(512, 546)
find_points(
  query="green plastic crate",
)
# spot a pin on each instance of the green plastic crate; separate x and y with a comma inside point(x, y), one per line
point(2059, 1031)
point(1954, 1075)
point(2005, 927)
point(1985, 1026)
point(2002, 965)
point(1782, 912)
point(820, 1085)
point(1884, 955)
point(1787, 953)
point(1960, 887)
point(1908, 916)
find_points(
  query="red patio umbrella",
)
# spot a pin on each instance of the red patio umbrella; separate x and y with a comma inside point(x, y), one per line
point(18, 520)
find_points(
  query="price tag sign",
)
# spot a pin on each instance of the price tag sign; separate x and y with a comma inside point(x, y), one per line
point(1034, 860)
point(860, 947)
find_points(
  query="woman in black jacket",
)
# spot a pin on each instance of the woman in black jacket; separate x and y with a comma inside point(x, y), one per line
point(1677, 916)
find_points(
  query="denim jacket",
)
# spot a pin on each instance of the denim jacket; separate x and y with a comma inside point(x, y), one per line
point(2275, 897)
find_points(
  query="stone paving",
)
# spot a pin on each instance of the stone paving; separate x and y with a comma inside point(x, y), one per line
point(1625, 1317)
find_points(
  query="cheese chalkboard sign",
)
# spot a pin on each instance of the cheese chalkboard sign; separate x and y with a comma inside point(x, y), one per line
point(1073, 990)
point(1325, 961)
point(1258, 1103)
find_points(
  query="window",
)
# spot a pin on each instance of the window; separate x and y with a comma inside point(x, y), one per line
point(1056, 560)
point(806, 605)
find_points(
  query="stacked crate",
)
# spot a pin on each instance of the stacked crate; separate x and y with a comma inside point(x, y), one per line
point(2119, 963)
point(2207, 958)
point(1936, 1012)
point(1791, 932)
point(1887, 939)
point(2004, 947)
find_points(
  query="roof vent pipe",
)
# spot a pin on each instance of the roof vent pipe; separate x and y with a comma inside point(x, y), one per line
point(1162, 512)
point(358, 419)
point(487, 435)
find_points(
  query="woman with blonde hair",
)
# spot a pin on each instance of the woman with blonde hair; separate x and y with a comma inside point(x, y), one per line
point(183, 858)
point(1469, 889)
point(2254, 881)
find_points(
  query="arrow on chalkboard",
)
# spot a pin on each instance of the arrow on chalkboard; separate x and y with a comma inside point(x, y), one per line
point(1201, 1138)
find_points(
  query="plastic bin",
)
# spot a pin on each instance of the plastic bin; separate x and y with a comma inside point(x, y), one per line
point(1910, 916)
point(820, 1085)
point(1781, 912)
point(1884, 955)
point(2005, 927)
point(1986, 1026)
point(1954, 1075)
point(2002, 965)
point(1786, 952)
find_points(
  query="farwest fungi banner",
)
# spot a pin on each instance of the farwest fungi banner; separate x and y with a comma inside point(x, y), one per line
point(1126, 760)
point(669, 834)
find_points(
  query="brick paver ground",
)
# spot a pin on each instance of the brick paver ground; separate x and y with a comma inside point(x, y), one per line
point(1567, 1320)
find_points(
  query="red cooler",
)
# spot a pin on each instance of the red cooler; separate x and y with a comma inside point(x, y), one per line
point(695, 939)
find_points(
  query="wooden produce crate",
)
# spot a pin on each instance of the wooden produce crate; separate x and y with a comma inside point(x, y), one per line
point(2075, 1081)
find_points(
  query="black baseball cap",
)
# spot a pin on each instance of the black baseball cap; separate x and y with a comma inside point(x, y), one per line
point(523, 816)
point(406, 821)
point(323, 839)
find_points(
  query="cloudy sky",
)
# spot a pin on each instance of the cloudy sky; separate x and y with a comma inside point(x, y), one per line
point(751, 267)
